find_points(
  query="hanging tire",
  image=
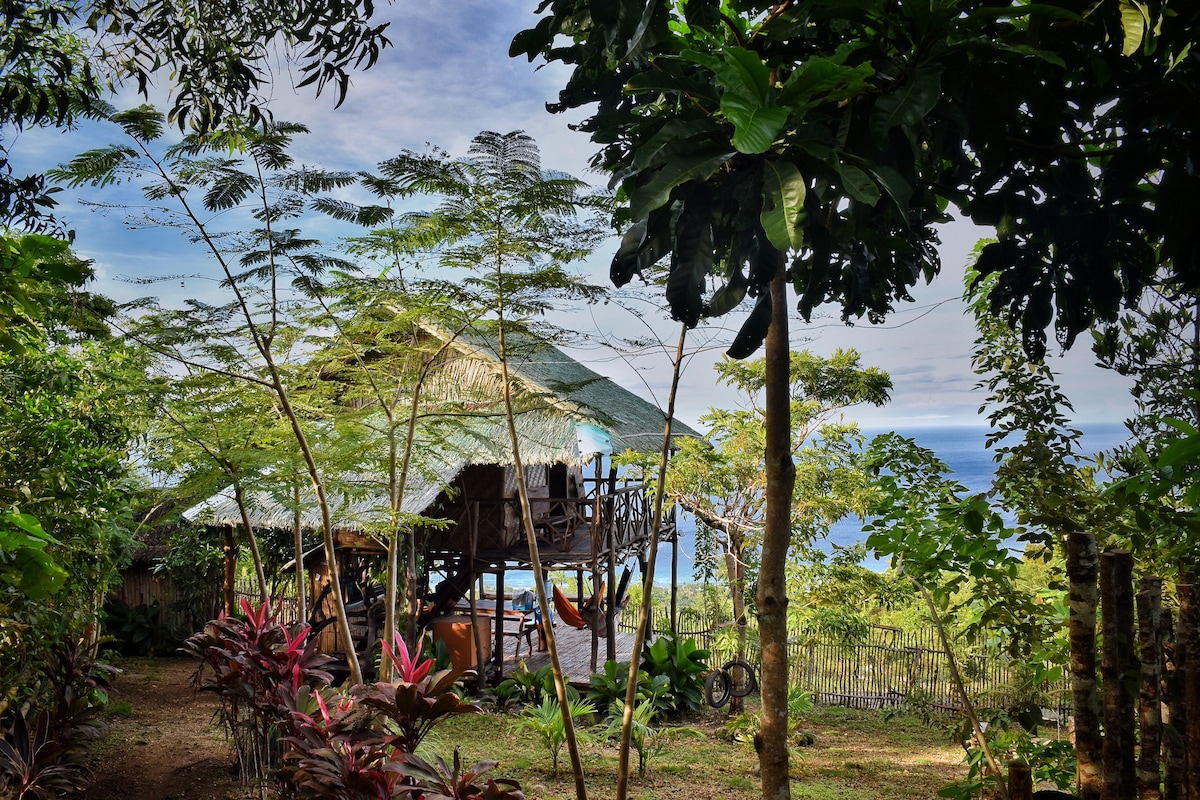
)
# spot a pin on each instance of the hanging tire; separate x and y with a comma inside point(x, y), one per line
point(717, 688)
point(748, 681)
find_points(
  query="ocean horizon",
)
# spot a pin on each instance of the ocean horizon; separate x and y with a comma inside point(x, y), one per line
point(960, 446)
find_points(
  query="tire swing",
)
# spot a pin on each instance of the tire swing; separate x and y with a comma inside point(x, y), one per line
point(735, 679)
point(717, 688)
point(744, 684)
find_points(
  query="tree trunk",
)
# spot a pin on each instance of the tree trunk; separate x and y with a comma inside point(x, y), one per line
point(1117, 666)
point(1082, 569)
point(735, 567)
point(298, 546)
point(1149, 607)
point(1020, 780)
point(229, 549)
point(1189, 641)
point(771, 740)
point(239, 497)
point(1175, 721)
point(639, 638)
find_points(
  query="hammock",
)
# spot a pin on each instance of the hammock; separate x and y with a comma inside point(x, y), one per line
point(567, 611)
point(592, 615)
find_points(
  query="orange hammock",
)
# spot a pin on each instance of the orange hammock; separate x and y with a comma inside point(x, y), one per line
point(567, 611)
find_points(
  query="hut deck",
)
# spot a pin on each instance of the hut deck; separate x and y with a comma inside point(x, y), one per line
point(574, 653)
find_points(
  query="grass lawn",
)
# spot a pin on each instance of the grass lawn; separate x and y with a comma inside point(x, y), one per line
point(857, 755)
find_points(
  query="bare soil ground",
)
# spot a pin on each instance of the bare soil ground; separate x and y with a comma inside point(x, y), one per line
point(166, 746)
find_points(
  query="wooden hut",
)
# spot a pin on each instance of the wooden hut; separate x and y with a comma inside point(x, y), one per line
point(569, 421)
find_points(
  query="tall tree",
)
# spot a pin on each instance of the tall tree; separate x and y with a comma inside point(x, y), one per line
point(255, 269)
point(745, 134)
point(724, 485)
point(515, 227)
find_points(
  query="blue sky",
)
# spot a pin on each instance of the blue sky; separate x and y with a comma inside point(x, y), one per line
point(448, 77)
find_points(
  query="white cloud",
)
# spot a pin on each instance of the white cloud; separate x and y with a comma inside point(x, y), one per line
point(449, 77)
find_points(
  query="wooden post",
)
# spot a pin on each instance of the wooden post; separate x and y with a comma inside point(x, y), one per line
point(1082, 568)
point(1189, 641)
point(1117, 664)
point(499, 648)
point(1020, 780)
point(1149, 607)
point(1174, 768)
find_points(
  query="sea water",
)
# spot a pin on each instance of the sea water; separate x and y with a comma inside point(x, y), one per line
point(961, 447)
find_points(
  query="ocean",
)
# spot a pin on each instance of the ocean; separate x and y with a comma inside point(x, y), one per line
point(960, 447)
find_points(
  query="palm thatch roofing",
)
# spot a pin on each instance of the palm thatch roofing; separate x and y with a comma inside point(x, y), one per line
point(564, 413)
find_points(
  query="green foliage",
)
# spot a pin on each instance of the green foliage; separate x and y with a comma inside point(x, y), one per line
point(440, 781)
point(545, 722)
point(643, 736)
point(530, 688)
point(683, 665)
point(608, 687)
point(136, 630)
point(70, 404)
point(51, 759)
point(195, 562)
point(58, 59)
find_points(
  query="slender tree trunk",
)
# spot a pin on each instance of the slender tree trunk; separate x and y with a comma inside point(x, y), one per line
point(535, 560)
point(1082, 569)
point(961, 687)
point(735, 566)
point(1117, 666)
point(239, 497)
point(639, 638)
point(1149, 607)
point(298, 546)
point(229, 549)
point(771, 740)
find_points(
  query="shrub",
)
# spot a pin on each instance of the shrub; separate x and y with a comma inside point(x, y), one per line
point(545, 721)
point(49, 759)
point(684, 665)
point(256, 665)
point(438, 781)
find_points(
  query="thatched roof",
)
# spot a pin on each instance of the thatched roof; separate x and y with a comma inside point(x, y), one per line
point(632, 422)
point(564, 413)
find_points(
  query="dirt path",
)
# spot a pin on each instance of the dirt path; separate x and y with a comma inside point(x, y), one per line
point(166, 747)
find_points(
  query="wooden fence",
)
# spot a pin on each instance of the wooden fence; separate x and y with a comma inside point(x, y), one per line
point(884, 667)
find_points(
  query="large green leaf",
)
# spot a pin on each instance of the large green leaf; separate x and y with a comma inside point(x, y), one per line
point(857, 183)
point(782, 214)
point(826, 78)
point(754, 329)
point(668, 140)
point(692, 260)
point(1133, 25)
point(742, 72)
point(657, 191)
point(908, 104)
point(755, 127)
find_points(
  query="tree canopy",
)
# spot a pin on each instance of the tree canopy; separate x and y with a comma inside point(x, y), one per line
point(841, 133)
point(218, 60)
